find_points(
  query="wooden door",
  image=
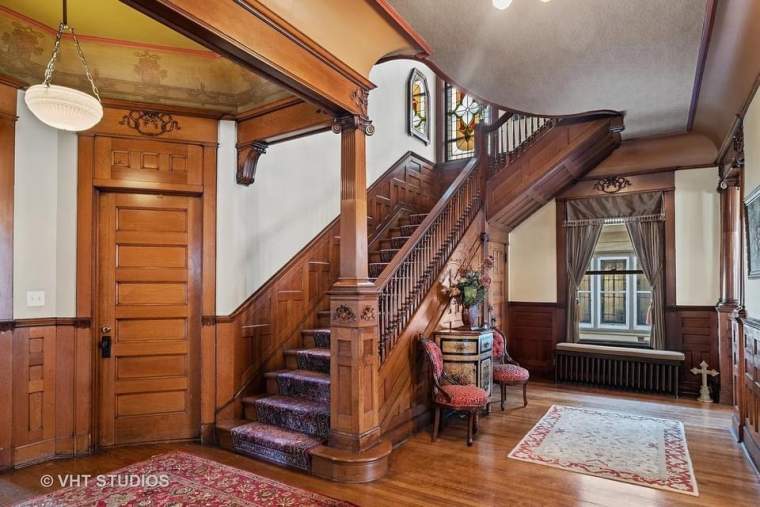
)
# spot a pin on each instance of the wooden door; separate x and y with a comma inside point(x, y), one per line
point(149, 294)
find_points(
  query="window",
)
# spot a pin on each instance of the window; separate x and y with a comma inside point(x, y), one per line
point(463, 113)
point(614, 295)
point(418, 106)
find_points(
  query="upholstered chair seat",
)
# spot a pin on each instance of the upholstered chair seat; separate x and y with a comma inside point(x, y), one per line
point(448, 393)
point(461, 397)
point(506, 371)
point(510, 373)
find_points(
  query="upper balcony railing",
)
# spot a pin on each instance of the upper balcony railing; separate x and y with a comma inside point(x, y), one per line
point(512, 134)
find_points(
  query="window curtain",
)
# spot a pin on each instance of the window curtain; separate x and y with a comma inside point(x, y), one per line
point(644, 218)
point(580, 241)
point(648, 238)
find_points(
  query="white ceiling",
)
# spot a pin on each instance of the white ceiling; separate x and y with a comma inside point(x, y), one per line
point(570, 56)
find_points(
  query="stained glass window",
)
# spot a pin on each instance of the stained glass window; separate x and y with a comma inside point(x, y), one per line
point(463, 113)
point(419, 106)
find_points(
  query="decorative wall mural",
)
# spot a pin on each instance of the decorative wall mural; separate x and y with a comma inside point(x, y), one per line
point(752, 210)
point(133, 71)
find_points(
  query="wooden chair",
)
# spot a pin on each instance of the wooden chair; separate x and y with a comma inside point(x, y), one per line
point(448, 393)
point(507, 371)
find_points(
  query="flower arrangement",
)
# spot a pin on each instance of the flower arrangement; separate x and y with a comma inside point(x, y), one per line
point(469, 290)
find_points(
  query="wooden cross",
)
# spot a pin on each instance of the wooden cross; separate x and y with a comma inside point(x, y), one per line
point(704, 389)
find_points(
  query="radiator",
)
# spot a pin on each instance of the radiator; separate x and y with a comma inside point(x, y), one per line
point(652, 375)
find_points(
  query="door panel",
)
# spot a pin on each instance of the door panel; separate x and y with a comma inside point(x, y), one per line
point(149, 297)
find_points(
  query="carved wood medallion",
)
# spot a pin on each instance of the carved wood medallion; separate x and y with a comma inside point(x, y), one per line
point(150, 123)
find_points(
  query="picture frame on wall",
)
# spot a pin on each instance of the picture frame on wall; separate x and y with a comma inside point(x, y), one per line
point(752, 224)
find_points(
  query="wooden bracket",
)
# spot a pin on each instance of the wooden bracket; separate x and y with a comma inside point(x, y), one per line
point(248, 159)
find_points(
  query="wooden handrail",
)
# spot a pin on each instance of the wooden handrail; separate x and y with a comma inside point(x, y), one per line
point(408, 277)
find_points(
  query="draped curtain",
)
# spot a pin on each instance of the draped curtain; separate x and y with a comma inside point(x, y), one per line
point(644, 218)
point(647, 238)
point(581, 241)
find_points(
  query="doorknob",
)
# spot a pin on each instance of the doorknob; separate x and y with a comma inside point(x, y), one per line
point(105, 342)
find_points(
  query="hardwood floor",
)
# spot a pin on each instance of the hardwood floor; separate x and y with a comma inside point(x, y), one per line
point(450, 473)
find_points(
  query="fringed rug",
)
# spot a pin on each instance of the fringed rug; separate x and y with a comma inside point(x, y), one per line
point(624, 447)
point(181, 479)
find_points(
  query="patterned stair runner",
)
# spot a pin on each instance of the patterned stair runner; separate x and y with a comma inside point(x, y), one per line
point(296, 416)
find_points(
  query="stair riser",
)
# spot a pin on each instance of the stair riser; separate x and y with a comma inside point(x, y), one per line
point(312, 362)
point(317, 340)
point(316, 424)
point(296, 387)
point(287, 456)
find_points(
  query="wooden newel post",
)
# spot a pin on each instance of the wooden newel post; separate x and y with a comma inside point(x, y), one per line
point(354, 375)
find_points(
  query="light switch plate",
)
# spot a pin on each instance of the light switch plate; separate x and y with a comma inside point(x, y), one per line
point(35, 298)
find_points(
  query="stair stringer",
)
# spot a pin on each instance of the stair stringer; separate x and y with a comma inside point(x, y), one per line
point(404, 397)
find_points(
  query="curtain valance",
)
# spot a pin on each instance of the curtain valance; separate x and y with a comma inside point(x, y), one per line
point(640, 207)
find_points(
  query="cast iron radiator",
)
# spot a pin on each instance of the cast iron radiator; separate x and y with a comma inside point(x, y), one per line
point(597, 368)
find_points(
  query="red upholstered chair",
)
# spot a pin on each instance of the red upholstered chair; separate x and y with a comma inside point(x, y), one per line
point(448, 393)
point(506, 371)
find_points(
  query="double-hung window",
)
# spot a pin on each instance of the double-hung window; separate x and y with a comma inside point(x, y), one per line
point(614, 296)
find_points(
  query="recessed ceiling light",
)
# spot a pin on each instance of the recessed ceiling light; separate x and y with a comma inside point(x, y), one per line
point(501, 4)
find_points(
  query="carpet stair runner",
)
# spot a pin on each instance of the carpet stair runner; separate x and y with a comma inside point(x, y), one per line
point(293, 417)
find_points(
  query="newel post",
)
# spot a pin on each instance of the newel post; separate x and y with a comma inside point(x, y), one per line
point(354, 374)
point(730, 260)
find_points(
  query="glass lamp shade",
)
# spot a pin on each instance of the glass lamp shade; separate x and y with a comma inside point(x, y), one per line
point(501, 4)
point(63, 108)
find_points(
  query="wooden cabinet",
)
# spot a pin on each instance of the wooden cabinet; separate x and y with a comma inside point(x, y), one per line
point(467, 355)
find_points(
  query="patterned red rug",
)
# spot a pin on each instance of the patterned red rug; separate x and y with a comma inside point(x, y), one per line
point(181, 479)
point(624, 447)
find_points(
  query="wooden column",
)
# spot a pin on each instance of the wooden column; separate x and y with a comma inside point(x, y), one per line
point(730, 189)
point(354, 422)
point(7, 168)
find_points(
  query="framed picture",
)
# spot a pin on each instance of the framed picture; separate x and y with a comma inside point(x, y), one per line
point(752, 220)
point(418, 106)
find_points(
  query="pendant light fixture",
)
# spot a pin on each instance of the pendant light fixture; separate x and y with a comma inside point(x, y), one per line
point(62, 107)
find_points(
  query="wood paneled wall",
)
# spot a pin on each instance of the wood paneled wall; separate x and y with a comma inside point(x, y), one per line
point(748, 378)
point(534, 330)
point(252, 339)
point(45, 367)
point(696, 329)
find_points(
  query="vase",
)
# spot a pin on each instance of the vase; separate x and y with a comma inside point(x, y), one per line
point(470, 317)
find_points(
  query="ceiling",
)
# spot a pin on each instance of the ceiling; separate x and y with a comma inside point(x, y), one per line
point(132, 57)
point(570, 56)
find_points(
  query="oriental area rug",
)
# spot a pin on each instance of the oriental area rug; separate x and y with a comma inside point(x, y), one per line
point(623, 447)
point(181, 479)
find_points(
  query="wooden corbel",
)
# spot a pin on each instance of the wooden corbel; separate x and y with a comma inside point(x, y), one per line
point(248, 159)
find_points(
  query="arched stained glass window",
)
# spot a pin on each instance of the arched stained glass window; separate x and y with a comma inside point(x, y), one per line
point(463, 113)
point(418, 106)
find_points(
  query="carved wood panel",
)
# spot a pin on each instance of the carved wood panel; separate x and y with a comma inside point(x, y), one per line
point(34, 393)
point(148, 161)
point(750, 395)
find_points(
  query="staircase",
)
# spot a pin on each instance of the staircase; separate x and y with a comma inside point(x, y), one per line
point(292, 419)
point(521, 162)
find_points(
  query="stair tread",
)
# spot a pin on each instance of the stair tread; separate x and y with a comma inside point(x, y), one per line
point(312, 331)
point(316, 351)
point(295, 404)
point(315, 376)
point(275, 444)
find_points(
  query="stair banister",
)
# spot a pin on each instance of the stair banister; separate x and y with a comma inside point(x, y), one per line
point(407, 278)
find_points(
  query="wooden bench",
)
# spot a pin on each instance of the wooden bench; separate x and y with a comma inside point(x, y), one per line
point(634, 369)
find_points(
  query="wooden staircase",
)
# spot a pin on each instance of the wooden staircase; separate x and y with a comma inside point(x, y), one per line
point(526, 161)
point(292, 420)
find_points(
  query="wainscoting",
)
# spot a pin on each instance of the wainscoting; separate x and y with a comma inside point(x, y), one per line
point(535, 328)
point(45, 369)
